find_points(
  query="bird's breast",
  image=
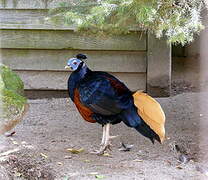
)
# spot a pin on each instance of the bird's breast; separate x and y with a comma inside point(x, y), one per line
point(83, 110)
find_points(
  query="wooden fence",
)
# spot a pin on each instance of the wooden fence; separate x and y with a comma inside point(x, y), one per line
point(38, 51)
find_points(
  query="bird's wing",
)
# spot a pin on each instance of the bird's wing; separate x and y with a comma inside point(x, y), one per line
point(104, 94)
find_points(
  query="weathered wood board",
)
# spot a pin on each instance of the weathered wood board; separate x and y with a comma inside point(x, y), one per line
point(63, 39)
point(159, 66)
point(29, 4)
point(111, 61)
point(57, 80)
point(30, 19)
point(23, 16)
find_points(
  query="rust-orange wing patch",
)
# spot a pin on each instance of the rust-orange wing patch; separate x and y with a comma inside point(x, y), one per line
point(83, 110)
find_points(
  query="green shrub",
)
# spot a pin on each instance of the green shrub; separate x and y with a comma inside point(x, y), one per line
point(177, 20)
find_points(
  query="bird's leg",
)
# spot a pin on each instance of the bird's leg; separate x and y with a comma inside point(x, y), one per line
point(106, 140)
point(108, 137)
point(105, 143)
point(102, 144)
point(104, 134)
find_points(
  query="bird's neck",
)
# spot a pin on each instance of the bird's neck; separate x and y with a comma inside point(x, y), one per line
point(75, 78)
point(79, 74)
point(83, 71)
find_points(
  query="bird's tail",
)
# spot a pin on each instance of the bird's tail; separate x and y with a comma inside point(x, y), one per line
point(151, 112)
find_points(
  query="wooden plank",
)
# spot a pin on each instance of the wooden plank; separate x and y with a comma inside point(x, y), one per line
point(22, 16)
point(159, 66)
point(51, 39)
point(29, 4)
point(29, 19)
point(50, 80)
point(111, 61)
point(37, 27)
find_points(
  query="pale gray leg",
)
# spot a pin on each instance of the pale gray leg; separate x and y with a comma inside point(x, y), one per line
point(104, 134)
point(105, 143)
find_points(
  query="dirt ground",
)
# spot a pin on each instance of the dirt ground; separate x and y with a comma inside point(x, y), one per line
point(38, 149)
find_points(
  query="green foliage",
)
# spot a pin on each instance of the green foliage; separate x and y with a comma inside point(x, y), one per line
point(13, 104)
point(11, 90)
point(11, 80)
point(178, 20)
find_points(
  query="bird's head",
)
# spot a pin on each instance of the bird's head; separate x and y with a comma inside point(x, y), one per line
point(75, 63)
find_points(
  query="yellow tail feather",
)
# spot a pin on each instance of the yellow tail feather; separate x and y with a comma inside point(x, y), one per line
point(151, 112)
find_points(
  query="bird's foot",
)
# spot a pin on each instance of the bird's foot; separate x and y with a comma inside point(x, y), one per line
point(102, 149)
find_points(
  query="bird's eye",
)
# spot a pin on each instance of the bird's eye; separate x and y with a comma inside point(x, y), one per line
point(75, 63)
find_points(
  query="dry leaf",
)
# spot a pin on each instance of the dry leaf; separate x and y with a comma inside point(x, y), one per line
point(66, 178)
point(106, 154)
point(17, 174)
point(126, 147)
point(179, 167)
point(93, 173)
point(43, 155)
point(75, 151)
point(99, 176)
point(23, 142)
point(9, 134)
point(15, 142)
point(138, 160)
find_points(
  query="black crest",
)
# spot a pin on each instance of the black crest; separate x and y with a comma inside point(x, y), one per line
point(81, 56)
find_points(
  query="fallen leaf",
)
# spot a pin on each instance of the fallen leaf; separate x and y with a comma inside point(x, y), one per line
point(138, 160)
point(126, 147)
point(99, 176)
point(59, 163)
point(43, 155)
point(17, 174)
point(179, 167)
point(9, 134)
point(23, 142)
point(66, 178)
point(75, 151)
point(15, 142)
point(93, 173)
point(106, 154)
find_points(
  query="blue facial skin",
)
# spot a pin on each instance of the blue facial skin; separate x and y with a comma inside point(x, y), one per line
point(73, 63)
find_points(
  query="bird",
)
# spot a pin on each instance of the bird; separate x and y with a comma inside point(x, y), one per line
point(102, 98)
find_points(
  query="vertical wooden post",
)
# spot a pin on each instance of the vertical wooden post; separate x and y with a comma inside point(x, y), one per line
point(158, 66)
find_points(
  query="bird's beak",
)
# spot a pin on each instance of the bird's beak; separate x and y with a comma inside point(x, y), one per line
point(67, 67)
